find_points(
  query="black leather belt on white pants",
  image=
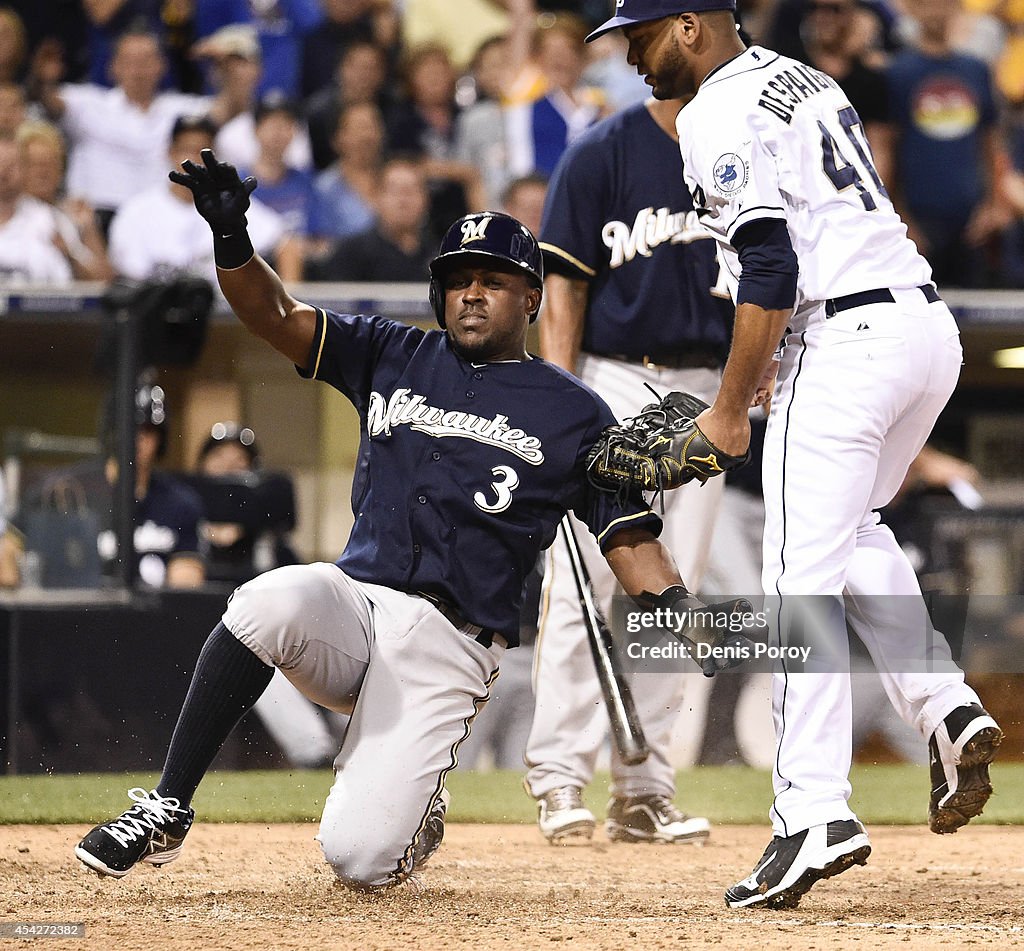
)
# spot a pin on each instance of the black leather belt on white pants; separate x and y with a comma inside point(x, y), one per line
point(880, 295)
point(688, 358)
point(450, 613)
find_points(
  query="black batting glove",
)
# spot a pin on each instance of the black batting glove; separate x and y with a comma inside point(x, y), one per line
point(221, 197)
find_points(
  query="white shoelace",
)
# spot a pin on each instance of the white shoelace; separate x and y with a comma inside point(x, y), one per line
point(144, 817)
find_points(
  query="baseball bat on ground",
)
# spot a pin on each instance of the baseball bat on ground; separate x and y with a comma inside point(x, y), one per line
point(627, 733)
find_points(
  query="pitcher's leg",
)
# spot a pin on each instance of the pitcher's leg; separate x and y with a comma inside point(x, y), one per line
point(890, 617)
point(813, 717)
point(819, 464)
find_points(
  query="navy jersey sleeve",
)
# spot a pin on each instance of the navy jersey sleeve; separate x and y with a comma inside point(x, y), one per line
point(347, 348)
point(605, 515)
point(577, 198)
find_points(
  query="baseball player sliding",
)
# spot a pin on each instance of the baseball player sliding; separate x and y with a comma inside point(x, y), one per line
point(471, 453)
point(628, 290)
point(781, 174)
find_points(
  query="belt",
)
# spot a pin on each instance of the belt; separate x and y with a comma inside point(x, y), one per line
point(450, 613)
point(880, 295)
point(688, 358)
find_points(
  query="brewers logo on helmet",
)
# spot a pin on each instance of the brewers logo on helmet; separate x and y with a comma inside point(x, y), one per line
point(489, 234)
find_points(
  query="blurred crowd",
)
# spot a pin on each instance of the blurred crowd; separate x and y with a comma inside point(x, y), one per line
point(371, 124)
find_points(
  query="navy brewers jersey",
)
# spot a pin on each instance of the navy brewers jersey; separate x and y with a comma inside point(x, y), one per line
point(464, 469)
point(618, 215)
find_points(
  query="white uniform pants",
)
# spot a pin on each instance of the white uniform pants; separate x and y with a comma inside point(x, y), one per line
point(417, 683)
point(857, 396)
point(570, 722)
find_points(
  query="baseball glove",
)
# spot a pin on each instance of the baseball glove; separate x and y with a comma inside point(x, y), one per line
point(660, 448)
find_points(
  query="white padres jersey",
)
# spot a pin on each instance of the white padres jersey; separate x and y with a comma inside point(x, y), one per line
point(769, 137)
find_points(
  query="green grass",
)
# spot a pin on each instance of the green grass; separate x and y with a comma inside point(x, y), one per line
point(882, 794)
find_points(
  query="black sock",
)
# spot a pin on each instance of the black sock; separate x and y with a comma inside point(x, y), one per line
point(228, 680)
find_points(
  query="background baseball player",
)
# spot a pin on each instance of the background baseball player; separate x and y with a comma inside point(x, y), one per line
point(628, 289)
point(471, 453)
point(776, 160)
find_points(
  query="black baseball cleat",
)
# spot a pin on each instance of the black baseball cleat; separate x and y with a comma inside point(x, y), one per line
point(430, 837)
point(791, 865)
point(152, 831)
point(653, 818)
point(959, 753)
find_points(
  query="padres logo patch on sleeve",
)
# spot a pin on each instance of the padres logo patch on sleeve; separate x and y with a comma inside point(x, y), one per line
point(730, 173)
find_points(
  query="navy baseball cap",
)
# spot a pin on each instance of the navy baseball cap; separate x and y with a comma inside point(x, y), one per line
point(638, 11)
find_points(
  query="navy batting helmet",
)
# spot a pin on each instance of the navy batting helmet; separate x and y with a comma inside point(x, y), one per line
point(490, 234)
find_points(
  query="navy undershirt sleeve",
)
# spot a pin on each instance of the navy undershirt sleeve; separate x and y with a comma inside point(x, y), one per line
point(768, 264)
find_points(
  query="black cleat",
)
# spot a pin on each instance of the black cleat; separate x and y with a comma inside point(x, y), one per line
point(791, 865)
point(653, 819)
point(960, 751)
point(152, 831)
point(429, 840)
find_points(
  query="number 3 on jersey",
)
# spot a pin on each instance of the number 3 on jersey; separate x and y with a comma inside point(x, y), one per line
point(842, 172)
point(506, 481)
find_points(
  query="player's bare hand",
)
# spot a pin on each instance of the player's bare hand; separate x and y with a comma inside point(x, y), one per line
point(728, 433)
point(766, 388)
point(221, 197)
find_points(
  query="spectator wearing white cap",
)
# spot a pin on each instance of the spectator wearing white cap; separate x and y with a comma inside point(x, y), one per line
point(236, 69)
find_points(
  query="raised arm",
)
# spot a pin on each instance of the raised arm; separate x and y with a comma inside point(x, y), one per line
point(259, 301)
point(250, 285)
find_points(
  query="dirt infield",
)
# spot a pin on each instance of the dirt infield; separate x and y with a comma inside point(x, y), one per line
point(265, 887)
